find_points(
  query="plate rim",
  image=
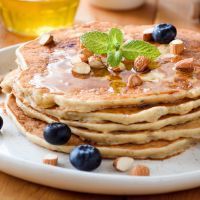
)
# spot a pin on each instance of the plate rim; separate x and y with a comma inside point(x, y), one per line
point(190, 179)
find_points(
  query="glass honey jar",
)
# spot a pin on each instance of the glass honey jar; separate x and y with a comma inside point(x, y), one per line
point(34, 17)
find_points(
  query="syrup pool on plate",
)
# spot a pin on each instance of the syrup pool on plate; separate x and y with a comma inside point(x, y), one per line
point(34, 17)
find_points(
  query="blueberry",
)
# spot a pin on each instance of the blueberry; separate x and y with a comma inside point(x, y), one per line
point(164, 33)
point(57, 133)
point(1, 122)
point(85, 157)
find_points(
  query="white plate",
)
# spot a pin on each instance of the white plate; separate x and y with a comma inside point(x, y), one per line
point(22, 159)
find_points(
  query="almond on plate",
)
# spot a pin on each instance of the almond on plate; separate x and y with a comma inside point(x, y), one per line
point(123, 164)
point(140, 170)
point(50, 159)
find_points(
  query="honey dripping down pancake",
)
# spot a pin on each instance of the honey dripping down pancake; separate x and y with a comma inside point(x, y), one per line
point(125, 97)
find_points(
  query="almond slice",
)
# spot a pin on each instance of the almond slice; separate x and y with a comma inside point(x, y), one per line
point(50, 159)
point(147, 34)
point(140, 170)
point(185, 65)
point(123, 164)
point(176, 47)
point(46, 39)
point(81, 68)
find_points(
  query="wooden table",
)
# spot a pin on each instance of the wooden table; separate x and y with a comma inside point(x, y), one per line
point(155, 11)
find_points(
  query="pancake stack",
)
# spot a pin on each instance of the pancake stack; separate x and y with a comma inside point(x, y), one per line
point(155, 120)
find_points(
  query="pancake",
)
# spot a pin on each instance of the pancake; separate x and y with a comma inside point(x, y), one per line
point(33, 130)
point(122, 115)
point(170, 133)
point(157, 119)
point(125, 115)
point(42, 65)
point(112, 127)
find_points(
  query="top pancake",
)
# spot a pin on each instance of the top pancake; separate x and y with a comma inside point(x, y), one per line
point(46, 78)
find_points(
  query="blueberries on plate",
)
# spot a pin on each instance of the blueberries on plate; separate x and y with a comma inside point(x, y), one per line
point(1, 122)
point(85, 157)
point(164, 33)
point(57, 133)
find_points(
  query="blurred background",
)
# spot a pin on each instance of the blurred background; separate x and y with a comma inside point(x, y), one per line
point(25, 19)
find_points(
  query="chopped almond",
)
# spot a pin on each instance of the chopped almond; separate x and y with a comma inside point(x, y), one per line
point(46, 39)
point(123, 164)
point(134, 81)
point(50, 159)
point(81, 68)
point(185, 65)
point(176, 47)
point(85, 54)
point(140, 170)
point(95, 62)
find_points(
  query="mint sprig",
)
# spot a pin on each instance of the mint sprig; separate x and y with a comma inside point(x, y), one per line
point(114, 58)
point(96, 41)
point(112, 44)
point(115, 38)
point(134, 48)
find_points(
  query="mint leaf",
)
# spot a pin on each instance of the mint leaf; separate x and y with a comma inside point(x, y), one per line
point(114, 58)
point(136, 48)
point(115, 38)
point(96, 41)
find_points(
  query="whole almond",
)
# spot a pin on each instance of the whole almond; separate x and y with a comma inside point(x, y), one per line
point(50, 159)
point(140, 170)
point(46, 39)
point(81, 68)
point(123, 164)
point(185, 65)
point(134, 81)
point(141, 64)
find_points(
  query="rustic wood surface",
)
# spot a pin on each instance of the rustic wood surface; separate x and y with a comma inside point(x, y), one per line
point(154, 11)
